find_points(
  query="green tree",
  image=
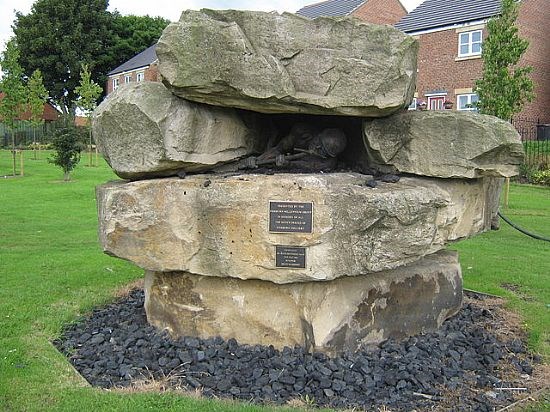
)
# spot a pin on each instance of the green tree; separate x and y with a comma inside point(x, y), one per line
point(37, 96)
point(504, 87)
point(88, 92)
point(67, 145)
point(57, 36)
point(133, 34)
point(12, 86)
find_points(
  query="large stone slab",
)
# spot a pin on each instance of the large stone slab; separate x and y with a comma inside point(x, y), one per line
point(219, 226)
point(444, 144)
point(143, 130)
point(285, 63)
point(333, 316)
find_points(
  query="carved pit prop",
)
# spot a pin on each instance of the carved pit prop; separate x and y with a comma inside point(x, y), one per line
point(278, 192)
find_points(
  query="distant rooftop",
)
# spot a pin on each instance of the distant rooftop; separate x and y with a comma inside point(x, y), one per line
point(145, 58)
point(440, 13)
point(330, 8)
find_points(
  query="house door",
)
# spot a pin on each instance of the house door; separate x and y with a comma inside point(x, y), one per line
point(436, 102)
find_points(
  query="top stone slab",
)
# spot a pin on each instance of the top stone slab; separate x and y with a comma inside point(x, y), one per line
point(272, 63)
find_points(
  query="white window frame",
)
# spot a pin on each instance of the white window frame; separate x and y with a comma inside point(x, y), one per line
point(140, 76)
point(469, 99)
point(115, 83)
point(127, 78)
point(470, 43)
point(413, 105)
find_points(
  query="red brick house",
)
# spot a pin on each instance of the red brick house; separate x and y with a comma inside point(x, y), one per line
point(50, 113)
point(373, 11)
point(141, 67)
point(24, 131)
point(451, 34)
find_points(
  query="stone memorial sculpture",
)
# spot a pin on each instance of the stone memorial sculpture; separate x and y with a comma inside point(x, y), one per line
point(250, 203)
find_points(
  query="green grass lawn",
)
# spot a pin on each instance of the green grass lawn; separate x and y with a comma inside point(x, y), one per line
point(52, 271)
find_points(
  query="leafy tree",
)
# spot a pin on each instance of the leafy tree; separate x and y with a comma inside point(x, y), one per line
point(37, 96)
point(57, 36)
point(67, 145)
point(13, 89)
point(88, 92)
point(133, 34)
point(504, 87)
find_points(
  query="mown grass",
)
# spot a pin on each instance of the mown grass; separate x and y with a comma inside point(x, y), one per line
point(510, 264)
point(52, 272)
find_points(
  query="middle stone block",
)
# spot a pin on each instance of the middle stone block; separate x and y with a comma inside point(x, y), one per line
point(288, 227)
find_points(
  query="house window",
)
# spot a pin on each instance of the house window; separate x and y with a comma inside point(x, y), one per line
point(115, 84)
point(412, 106)
point(127, 78)
point(140, 77)
point(469, 43)
point(467, 101)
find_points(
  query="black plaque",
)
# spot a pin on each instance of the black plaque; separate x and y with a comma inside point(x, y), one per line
point(290, 257)
point(290, 217)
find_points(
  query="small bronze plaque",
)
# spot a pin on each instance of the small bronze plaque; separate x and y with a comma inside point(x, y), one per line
point(290, 217)
point(290, 257)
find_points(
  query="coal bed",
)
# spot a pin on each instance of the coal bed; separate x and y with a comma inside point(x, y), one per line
point(462, 366)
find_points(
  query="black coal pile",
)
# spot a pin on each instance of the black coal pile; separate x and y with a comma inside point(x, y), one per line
point(455, 368)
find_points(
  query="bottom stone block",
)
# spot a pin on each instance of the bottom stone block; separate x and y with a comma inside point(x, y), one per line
point(331, 316)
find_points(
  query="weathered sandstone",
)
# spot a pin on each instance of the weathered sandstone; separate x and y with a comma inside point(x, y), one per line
point(274, 63)
point(444, 144)
point(143, 130)
point(218, 226)
point(332, 316)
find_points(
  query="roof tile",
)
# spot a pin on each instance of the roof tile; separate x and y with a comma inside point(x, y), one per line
point(439, 13)
point(145, 58)
point(330, 8)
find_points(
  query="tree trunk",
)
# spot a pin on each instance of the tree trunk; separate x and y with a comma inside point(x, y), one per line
point(67, 177)
point(13, 150)
point(34, 141)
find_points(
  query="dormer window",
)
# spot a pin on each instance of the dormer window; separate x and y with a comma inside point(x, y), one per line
point(469, 43)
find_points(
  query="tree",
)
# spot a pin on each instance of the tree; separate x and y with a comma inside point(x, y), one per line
point(504, 87)
point(57, 36)
point(14, 94)
point(133, 34)
point(37, 96)
point(67, 145)
point(88, 93)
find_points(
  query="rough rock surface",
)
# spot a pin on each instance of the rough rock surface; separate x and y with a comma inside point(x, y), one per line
point(444, 144)
point(333, 316)
point(143, 130)
point(216, 225)
point(285, 63)
point(460, 367)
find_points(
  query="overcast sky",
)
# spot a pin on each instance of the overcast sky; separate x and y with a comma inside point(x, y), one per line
point(170, 9)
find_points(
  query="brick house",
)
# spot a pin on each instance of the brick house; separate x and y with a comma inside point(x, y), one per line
point(373, 11)
point(24, 131)
point(451, 34)
point(141, 67)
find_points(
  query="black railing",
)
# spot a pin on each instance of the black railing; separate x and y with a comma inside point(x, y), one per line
point(535, 137)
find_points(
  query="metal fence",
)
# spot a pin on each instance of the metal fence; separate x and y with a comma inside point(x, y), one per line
point(536, 142)
point(25, 134)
